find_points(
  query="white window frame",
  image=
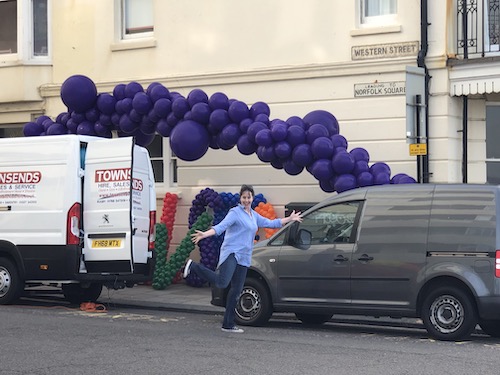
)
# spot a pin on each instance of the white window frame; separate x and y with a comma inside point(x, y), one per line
point(169, 161)
point(376, 20)
point(486, 28)
point(25, 40)
point(122, 33)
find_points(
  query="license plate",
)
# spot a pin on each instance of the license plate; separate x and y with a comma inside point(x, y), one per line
point(106, 243)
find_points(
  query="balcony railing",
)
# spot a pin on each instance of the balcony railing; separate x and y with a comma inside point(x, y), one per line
point(478, 28)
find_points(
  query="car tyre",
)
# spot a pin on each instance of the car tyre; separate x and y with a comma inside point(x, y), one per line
point(11, 284)
point(254, 306)
point(313, 319)
point(449, 314)
point(78, 293)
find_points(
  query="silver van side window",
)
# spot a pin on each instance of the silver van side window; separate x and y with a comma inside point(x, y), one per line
point(332, 224)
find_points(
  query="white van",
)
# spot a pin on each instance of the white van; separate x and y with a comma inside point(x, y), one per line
point(75, 211)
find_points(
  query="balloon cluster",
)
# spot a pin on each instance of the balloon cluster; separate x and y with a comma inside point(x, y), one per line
point(169, 209)
point(198, 122)
point(161, 273)
point(167, 272)
point(267, 210)
point(209, 247)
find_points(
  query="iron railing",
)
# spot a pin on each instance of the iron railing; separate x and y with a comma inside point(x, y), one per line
point(478, 28)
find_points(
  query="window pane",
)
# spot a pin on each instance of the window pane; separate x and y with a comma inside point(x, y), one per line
point(156, 147)
point(379, 7)
point(8, 26)
point(158, 170)
point(331, 224)
point(138, 16)
point(40, 46)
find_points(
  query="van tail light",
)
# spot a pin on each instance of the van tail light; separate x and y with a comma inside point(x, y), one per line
point(73, 225)
point(152, 229)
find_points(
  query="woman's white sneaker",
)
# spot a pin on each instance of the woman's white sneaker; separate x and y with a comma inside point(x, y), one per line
point(187, 268)
point(232, 330)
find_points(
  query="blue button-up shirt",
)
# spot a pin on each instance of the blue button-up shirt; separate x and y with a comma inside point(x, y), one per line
point(240, 228)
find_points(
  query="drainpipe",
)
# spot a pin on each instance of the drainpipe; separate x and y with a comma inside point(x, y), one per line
point(424, 25)
point(465, 101)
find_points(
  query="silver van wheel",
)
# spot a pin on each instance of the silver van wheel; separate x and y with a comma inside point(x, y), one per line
point(10, 283)
point(254, 305)
point(448, 313)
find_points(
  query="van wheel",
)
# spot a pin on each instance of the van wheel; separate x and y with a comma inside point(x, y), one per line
point(490, 327)
point(11, 284)
point(254, 306)
point(78, 293)
point(313, 319)
point(449, 314)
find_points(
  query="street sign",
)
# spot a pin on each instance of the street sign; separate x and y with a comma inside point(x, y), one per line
point(418, 149)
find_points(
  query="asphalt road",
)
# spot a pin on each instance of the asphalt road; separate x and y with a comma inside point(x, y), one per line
point(55, 339)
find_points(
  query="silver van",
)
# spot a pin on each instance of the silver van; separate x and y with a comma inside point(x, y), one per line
point(417, 250)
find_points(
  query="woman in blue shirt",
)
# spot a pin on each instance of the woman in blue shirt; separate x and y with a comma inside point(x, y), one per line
point(240, 225)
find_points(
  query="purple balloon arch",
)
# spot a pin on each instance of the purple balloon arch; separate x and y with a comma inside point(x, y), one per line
point(198, 122)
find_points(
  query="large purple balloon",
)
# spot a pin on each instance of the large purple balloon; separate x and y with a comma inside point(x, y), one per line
point(217, 120)
point(57, 129)
point(322, 148)
point(238, 111)
point(315, 131)
point(360, 166)
point(254, 129)
point(162, 107)
point(302, 155)
point(142, 103)
point(266, 154)
point(322, 169)
point(197, 96)
point(189, 140)
point(264, 138)
point(296, 120)
point(106, 103)
point(291, 168)
point(365, 179)
point(79, 93)
point(325, 118)
point(296, 135)
point(343, 162)
point(246, 146)
point(279, 130)
point(345, 182)
point(119, 91)
point(200, 112)
point(360, 153)
point(258, 108)
point(218, 100)
point(380, 167)
point(32, 129)
point(339, 141)
point(230, 134)
point(85, 128)
point(159, 92)
point(180, 106)
point(283, 150)
point(133, 88)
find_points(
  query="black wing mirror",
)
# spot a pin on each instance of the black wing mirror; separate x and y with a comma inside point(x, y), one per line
point(304, 238)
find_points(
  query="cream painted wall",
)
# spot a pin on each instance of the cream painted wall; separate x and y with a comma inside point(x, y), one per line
point(294, 55)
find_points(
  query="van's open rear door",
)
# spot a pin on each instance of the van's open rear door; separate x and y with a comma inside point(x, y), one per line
point(107, 206)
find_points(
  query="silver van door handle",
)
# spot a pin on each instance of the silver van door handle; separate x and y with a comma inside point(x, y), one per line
point(340, 258)
point(365, 258)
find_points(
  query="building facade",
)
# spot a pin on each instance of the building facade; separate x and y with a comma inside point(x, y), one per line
point(348, 58)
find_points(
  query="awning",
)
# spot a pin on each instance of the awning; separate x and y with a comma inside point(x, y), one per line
point(475, 78)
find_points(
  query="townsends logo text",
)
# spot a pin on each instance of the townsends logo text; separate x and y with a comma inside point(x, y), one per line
point(27, 177)
point(118, 177)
